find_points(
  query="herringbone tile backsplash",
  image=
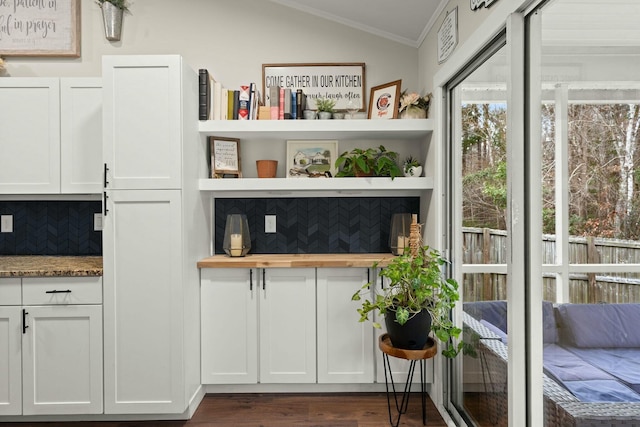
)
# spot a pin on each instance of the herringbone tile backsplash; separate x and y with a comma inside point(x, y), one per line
point(51, 228)
point(316, 225)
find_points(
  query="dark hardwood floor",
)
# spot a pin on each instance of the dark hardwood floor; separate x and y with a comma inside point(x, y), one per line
point(283, 410)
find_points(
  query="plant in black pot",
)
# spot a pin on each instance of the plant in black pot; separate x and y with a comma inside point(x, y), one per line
point(417, 299)
point(368, 162)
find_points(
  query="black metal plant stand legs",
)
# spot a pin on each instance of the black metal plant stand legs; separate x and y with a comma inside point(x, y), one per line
point(401, 407)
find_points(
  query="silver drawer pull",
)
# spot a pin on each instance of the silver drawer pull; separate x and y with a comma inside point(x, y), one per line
point(68, 291)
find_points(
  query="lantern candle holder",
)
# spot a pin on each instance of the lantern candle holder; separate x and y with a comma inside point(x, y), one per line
point(399, 234)
point(237, 239)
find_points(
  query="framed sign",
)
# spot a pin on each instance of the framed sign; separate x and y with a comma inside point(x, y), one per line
point(384, 100)
point(40, 28)
point(225, 157)
point(311, 159)
point(339, 82)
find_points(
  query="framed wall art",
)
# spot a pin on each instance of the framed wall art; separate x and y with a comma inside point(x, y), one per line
point(384, 100)
point(50, 29)
point(341, 82)
point(311, 159)
point(225, 157)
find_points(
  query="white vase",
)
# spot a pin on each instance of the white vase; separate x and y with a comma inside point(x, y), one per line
point(324, 115)
point(415, 171)
point(413, 113)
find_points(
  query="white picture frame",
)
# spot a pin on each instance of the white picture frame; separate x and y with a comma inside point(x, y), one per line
point(311, 159)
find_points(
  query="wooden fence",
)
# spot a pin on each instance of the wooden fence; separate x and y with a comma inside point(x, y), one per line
point(487, 246)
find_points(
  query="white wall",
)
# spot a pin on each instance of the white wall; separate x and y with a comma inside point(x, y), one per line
point(231, 38)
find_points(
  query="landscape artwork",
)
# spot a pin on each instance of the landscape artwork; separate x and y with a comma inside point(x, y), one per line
point(311, 159)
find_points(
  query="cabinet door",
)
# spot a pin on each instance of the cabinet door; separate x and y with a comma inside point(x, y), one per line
point(29, 135)
point(288, 326)
point(81, 135)
point(62, 360)
point(345, 345)
point(143, 121)
point(143, 311)
point(10, 361)
point(229, 316)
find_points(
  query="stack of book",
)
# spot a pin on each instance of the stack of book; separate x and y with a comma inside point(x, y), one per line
point(286, 103)
point(218, 103)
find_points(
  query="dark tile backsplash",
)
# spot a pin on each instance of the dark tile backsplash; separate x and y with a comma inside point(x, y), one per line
point(316, 225)
point(51, 228)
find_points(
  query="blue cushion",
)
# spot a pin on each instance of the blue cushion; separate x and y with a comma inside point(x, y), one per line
point(567, 366)
point(494, 312)
point(550, 329)
point(601, 391)
point(600, 325)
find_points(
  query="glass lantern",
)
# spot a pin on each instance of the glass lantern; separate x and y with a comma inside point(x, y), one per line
point(237, 239)
point(399, 234)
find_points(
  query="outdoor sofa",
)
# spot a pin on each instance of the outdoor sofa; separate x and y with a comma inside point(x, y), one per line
point(591, 362)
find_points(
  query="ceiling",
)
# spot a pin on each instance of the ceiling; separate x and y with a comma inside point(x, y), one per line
point(403, 21)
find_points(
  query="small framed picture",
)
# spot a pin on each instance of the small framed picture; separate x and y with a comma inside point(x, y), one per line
point(383, 101)
point(225, 157)
point(311, 159)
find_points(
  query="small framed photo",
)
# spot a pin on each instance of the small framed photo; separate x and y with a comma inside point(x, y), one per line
point(225, 157)
point(383, 101)
point(311, 159)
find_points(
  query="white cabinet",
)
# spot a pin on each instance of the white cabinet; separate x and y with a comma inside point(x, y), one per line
point(272, 310)
point(10, 347)
point(155, 231)
point(62, 360)
point(29, 135)
point(50, 135)
point(288, 325)
point(51, 358)
point(144, 120)
point(345, 346)
point(229, 315)
point(81, 135)
point(143, 302)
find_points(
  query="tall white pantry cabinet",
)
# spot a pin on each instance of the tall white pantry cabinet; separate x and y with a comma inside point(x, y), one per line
point(155, 230)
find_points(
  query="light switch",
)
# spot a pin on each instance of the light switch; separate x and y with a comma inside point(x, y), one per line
point(6, 223)
point(97, 222)
point(269, 223)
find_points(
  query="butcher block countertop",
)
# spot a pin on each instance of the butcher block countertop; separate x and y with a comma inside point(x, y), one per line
point(295, 260)
point(50, 266)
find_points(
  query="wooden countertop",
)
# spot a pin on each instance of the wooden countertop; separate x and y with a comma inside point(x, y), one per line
point(50, 266)
point(295, 260)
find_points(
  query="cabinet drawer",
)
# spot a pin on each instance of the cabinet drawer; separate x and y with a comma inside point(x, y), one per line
point(61, 290)
point(10, 291)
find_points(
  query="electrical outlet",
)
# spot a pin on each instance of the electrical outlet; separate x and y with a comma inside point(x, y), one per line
point(97, 222)
point(269, 223)
point(6, 223)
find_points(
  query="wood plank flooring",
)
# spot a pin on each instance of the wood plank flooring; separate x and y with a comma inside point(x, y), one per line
point(283, 410)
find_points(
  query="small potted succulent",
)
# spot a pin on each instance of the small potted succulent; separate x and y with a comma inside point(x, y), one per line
point(412, 167)
point(325, 108)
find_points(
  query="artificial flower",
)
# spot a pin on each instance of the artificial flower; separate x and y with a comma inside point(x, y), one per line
point(413, 99)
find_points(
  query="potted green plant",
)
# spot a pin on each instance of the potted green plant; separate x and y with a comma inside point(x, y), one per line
point(325, 107)
point(112, 11)
point(416, 287)
point(412, 167)
point(368, 162)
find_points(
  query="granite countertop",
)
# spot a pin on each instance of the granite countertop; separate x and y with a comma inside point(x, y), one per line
point(50, 266)
point(296, 260)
